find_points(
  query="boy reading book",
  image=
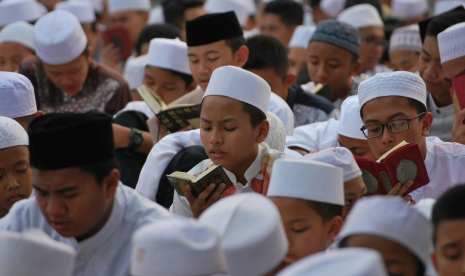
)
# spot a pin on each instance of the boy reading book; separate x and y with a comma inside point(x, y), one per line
point(233, 129)
point(310, 198)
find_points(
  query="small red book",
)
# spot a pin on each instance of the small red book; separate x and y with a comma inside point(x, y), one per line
point(119, 36)
point(457, 92)
point(402, 163)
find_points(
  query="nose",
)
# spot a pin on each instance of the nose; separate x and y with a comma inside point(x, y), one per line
point(12, 184)
point(387, 137)
point(216, 138)
point(55, 207)
point(431, 71)
point(321, 75)
point(203, 68)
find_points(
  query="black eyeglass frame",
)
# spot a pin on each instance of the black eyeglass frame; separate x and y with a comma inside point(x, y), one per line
point(418, 116)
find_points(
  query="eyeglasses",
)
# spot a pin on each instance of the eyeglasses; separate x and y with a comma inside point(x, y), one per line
point(396, 126)
point(373, 42)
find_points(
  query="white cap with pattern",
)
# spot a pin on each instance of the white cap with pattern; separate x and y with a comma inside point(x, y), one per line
point(276, 138)
point(409, 9)
point(451, 42)
point(20, 10)
point(169, 54)
point(406, 39)
point(83, 10)
point(17, 96)
point(350, 121)
point(12, 134)
point(360, 16)
point(19, 32)
point(301, 37)
point(443, 6)
point(332, 7)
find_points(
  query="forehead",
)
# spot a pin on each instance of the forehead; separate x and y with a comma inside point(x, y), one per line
point(221, 106)
point(390, 106)
point(122, 14)
point(219, 47)
point(11, 48)
point(325, 50)
point(13, 155)
point(294, 206)
point(403, 55)
point(271, 18)
point(376, 31)
point(77, 63)
point(163, 75)
point(431, 46)
point(451, 230)
point(60, 178)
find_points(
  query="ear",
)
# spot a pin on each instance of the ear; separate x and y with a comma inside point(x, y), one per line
point(145, 16)
point(192, 86)
point(38, 114)
point(290, 80)
point(241, 56)
point(356, 68)
point(110, 183)
point(264, 129)
point(335, 225)
point(426, 124)
point(434, 261)
point(89, 53)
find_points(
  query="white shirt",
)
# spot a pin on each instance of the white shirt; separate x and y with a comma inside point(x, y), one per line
point(140, 106)
point(280, 108)
point(108, 251)
point(443, 119)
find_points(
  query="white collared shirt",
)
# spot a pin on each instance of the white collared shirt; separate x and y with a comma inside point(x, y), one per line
point(443, 119)
point(108, 251)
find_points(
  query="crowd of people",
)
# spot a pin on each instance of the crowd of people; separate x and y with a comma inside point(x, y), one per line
point(294, 98)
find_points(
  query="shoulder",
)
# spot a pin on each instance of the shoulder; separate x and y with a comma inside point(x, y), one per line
point(307, 99)
point(139, 208)
point(453, 150)
point(23, 215)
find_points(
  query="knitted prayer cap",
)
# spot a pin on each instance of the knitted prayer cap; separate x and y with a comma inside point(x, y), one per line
point(339, 34)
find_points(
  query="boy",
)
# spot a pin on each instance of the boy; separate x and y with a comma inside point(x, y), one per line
point(233, 127)
point(410, 11)
point(310, 197)
point(268, 59)
point(280, 19)
point(16, 44)
point(448, 233)
point(13, 11)
point(15, 171)
point(154, 31)
point(403, 116)
point(297, 53)
point(405, 48)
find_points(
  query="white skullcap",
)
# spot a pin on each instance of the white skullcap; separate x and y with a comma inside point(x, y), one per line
point(241, 85)
point(332, 7)
point(447, 5)
point(33, 253)
point(83, 10)
point(134, 71)
point(400, 83)
point(359, 16)
point(251, 7)
point(115, 6)
point(350, 121)
point(157, 16)
point(339, 157)
point(451, 42)
point(12, 134)
point(347, 262)
point(425, 207)
point(17, 96)
point(238, 6)
point(252, 235)
point(392, 219)
point(409, 9)
point(406, 39)
point(19, 32)
point(169, 54)
point(276, 138)
point(97, 4)
point(308, 180)
point(59, 38)
point(196, 245)
point(20, 10)
point(301, 37)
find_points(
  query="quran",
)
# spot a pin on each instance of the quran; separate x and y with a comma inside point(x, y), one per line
point(402, 163)
point(457, 92)
point(174, 117)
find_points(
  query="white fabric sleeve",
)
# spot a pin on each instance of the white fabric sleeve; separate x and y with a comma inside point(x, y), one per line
point(281, 109)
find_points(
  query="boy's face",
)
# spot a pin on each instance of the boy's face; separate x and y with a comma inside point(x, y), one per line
point(133, 21)
point(306, 232)
point(353, 191)
point(227, 133)
point(297, 60)
point(431, 70)
point(69, 77)
point(272, 25)
point(330, 64)
point(204, 59)
point(11, 55)
point(359, 148)
point(404, 61)
point(279, 85)
point(449, 258)
point(395, 108)
point(15, 177)
point(72, 201)
point(399, 261)
point(371, 49)
point(164, 83)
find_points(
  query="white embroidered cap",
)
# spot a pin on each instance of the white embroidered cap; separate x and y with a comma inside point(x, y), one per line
point(20, 10)
point(400, 83)
point(157, 16)
point(308, 180)
point(409, 9)
point(443, 6)
point(332, 7)
point(251, 231)
point(350, 121)
point(115, 6)
point(83, 10)
point(393, 219)
point(33, 253)
point(301, 37)
point(59, 38)
point(406, 39)
point(134, 71)
point(19, 32)
point(169, 54)
point(451, 42)
point(241, 85)
point(12, 134)
point(339, 157)
point(276, 138)
point(194, 244)
point(347, 262)
point(425, 207)
point(17, 96)
point(98, 5)
point(241, 9)
point(362, 15)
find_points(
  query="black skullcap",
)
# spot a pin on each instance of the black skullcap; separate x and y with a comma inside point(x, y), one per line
point(424, 24)
point(64, 140)
point(212, 27)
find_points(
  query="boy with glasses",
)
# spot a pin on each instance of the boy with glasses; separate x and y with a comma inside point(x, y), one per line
point(403, 116)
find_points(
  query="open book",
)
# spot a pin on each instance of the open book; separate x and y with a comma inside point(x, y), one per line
point(457, 92)
point(322, 90)
point(173, 117)
point(402, 163)
point(214, 175)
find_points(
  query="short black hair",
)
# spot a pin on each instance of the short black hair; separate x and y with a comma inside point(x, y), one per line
point(267, 52)
point(235, 43)
point(315, 3)
point(188, 4)
point(256, 115)
point(449, 206)
point(327, 211)
point(155, 31)
point(374, 3)
point(291, 13)
point(101, 169)
point(419, 107)
point(188, 79)
point(442, 22)
point(173, 11)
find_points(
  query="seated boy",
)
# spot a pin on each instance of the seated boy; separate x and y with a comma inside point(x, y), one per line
point(297, 53)
point(233, 129)
point(405, 49)
point(15, 171)
point(310, 198)
point(449, 232)
point(16, 44)
point(268, 59)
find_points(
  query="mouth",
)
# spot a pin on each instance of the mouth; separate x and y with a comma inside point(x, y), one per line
point(60, 226)
point(15, 198)
point(289, 259)
point(216, 153)
point(385, 150)
point(430, 84)
point(69, 89)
